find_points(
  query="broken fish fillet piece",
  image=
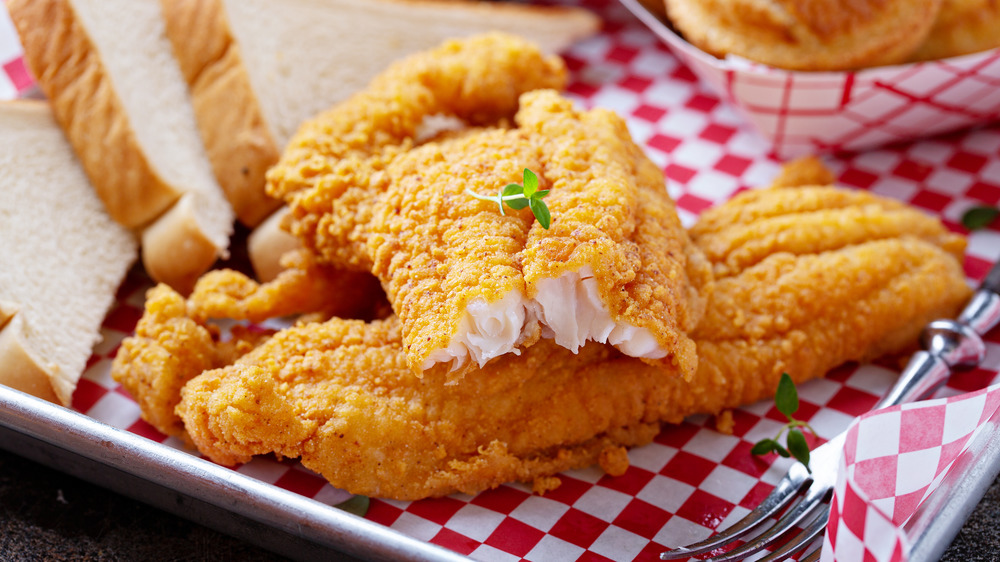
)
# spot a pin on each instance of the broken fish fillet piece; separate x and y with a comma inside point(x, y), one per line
point(616, 266)
point(471, 283)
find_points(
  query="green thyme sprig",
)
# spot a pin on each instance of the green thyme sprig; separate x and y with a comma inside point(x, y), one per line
point(518, 197)
point(979, 217)
point(786, 399)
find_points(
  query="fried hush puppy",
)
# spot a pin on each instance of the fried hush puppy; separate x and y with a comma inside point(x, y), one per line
point(339, 395)
point(469, 282)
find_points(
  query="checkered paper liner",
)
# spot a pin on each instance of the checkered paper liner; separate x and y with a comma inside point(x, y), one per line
point(893, 460)
point(692, 479)
point(809, 112)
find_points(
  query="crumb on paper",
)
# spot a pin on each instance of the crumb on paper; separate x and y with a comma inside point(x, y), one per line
point(545, 484)
point(808, 170)
point(724, 422)
point(614, 460)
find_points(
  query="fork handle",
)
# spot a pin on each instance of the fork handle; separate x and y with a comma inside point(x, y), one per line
point(948, 345)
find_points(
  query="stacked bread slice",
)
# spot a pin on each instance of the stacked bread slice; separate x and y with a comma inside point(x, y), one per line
point(61, 260)
point(114, 86)
point(250, 70)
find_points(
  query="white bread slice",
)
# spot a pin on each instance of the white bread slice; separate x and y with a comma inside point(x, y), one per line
point(109, 72)
point(61, 260)
point(257, 69)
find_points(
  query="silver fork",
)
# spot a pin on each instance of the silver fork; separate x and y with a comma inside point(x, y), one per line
point(947, 345)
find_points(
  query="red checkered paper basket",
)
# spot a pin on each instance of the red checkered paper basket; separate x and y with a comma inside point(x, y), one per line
point(808, 112)
point(692, 479)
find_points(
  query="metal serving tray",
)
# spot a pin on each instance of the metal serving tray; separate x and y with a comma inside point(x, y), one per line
point(304, 529)
point(187, 486)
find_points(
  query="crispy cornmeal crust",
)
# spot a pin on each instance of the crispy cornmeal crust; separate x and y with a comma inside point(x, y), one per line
point(809, 219)
point(962, 27)
point(613, 215)
point(330, 172)
point(806, 34)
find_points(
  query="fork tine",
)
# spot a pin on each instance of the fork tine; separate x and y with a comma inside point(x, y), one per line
point(801, 540)
point(816, 496)
point(788, 487)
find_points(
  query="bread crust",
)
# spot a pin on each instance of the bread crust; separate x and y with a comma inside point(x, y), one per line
point(69, 71)
point(268, 243)
point(239, 143)
point(21, 370)
point(811, 35)
point(175, 249)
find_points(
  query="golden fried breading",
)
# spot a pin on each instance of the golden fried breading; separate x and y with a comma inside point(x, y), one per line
point(962, 27)
point(304, 286)
point(809, 219)
point(806, 170)
point(449, 262)
point(811, 277)
point(805, 314)
point(613, 221)
point(340, 396)
point(168, 349)
point(330, 174)
point(466, 281)
point(806, 34)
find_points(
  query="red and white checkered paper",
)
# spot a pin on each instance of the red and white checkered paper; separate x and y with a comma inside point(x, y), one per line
point(692, 479)
point(893, 460)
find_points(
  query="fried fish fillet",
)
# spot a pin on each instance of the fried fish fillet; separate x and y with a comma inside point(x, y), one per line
point(340, 396)
point(468, 281)
point(616, 266)
point(471, 282)
point(332, 170)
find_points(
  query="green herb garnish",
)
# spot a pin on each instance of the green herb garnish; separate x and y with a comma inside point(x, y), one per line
point(358, 505)
point(979, 217)
point(786, 399)
point(518, 197)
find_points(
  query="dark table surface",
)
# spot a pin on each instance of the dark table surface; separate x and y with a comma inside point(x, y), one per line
point(47, 515)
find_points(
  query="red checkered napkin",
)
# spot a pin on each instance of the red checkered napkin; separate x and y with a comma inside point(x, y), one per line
point(893, 460)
